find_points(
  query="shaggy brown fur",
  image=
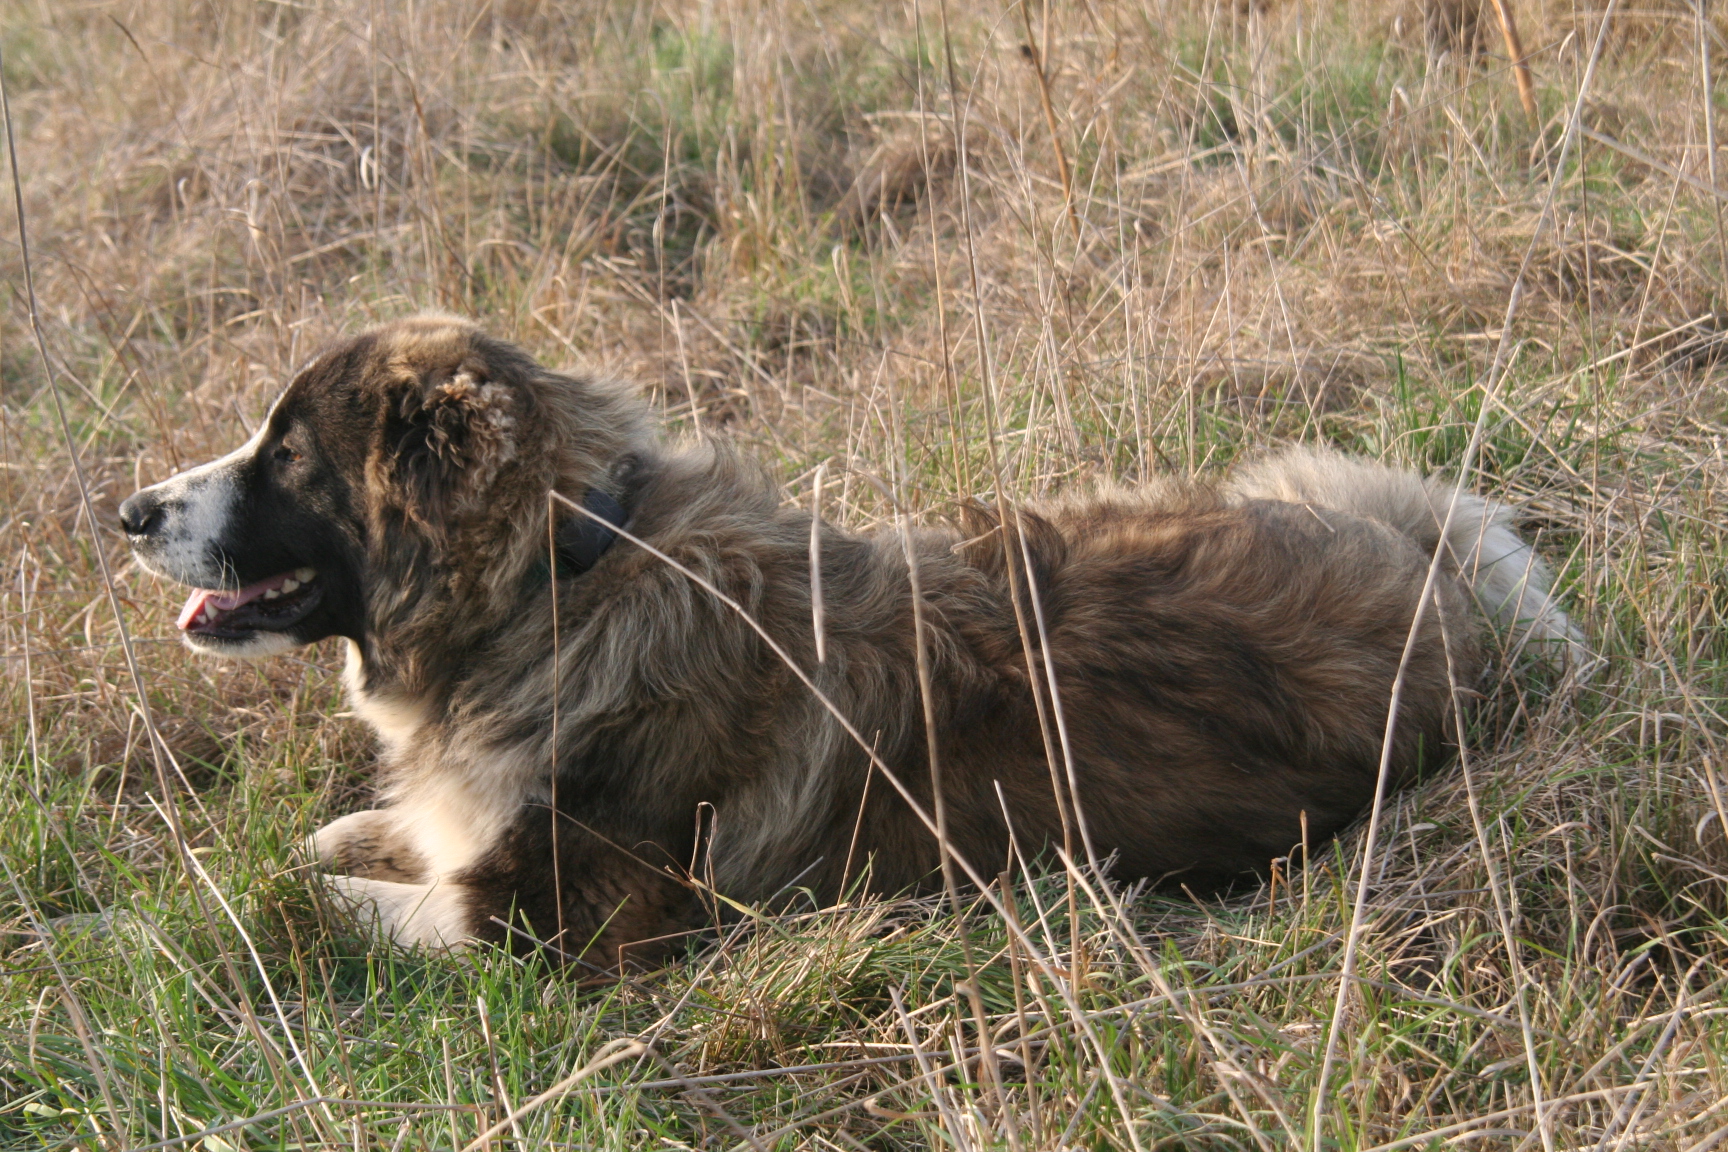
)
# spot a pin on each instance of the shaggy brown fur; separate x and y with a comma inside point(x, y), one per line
point(1222, 655)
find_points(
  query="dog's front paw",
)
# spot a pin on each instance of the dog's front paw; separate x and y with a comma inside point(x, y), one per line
point(433, 916)
point(366, 844)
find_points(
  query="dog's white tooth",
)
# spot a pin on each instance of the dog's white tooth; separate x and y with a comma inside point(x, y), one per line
point(290, 584)
point(305, 574)
point(272, 594)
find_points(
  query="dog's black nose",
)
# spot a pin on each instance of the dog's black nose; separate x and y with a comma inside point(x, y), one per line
point(141, 513)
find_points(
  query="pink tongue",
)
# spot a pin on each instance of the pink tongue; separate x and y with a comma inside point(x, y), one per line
point(223, 601)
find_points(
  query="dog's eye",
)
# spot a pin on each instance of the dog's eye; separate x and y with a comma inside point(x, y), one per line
point(286, 455)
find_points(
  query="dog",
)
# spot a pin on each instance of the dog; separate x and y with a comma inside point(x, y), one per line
point(600, 709)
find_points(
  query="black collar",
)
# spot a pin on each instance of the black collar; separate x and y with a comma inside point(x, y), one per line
point(579, 541)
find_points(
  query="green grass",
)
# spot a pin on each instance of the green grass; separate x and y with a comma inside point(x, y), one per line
point(1289, 224)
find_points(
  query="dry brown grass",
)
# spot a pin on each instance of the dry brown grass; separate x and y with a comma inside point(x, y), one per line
point(796, 226)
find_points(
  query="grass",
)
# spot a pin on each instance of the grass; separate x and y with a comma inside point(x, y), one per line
point(800, 226)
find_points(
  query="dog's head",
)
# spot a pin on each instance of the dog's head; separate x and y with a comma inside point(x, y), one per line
point(414, 457)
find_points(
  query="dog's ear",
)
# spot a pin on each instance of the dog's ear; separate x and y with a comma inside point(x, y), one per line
point(451, 434)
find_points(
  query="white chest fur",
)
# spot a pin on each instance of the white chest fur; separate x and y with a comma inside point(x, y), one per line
point(396, 720)
point(450, 798)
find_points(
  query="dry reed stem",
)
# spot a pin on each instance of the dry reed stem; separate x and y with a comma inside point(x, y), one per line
point(1520, 62)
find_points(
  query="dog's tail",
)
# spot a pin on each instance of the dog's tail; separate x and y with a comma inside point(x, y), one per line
point(1512, 584)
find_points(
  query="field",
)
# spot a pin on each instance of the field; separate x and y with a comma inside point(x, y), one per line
point(945, 250)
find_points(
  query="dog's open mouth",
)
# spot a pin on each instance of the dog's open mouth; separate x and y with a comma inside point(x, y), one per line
point(267, 606)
